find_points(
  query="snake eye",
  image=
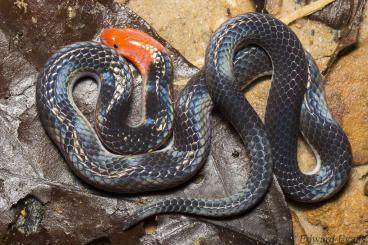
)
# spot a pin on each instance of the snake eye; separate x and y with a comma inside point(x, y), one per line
point(116, 46)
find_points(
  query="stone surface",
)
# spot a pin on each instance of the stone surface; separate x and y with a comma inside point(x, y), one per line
point(345, 218)
point(337, 14)
point(299, 232)
point(363, 32)
point(190, 26)
point(42, 202)
point(347, 97)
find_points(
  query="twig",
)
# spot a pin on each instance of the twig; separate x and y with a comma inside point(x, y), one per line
point(305, 11)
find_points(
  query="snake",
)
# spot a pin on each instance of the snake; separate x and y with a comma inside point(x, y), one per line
point(240, 50)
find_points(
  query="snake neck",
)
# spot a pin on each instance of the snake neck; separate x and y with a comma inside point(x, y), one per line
point(155, 125)
point(159, 72)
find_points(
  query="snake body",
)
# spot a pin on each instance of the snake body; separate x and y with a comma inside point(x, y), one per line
point(292, 74)
point(230, 65)
point(81, 146)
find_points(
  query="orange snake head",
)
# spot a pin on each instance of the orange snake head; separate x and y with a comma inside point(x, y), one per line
point(136, 46)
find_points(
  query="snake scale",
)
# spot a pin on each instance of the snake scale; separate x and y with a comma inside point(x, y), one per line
point(243, 48)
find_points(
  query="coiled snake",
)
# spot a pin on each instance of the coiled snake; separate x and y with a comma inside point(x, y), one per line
point(242, 49)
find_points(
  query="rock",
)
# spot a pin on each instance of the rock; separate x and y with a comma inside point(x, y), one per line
point(41, 201)
point(191, 25)
point(300, 237)
point(346, 90)
point(343, 16)
point(363, 32)
point(337, 14)
point(344, 219)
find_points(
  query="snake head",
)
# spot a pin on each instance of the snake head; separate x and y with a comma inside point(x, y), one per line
point(136, 46)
